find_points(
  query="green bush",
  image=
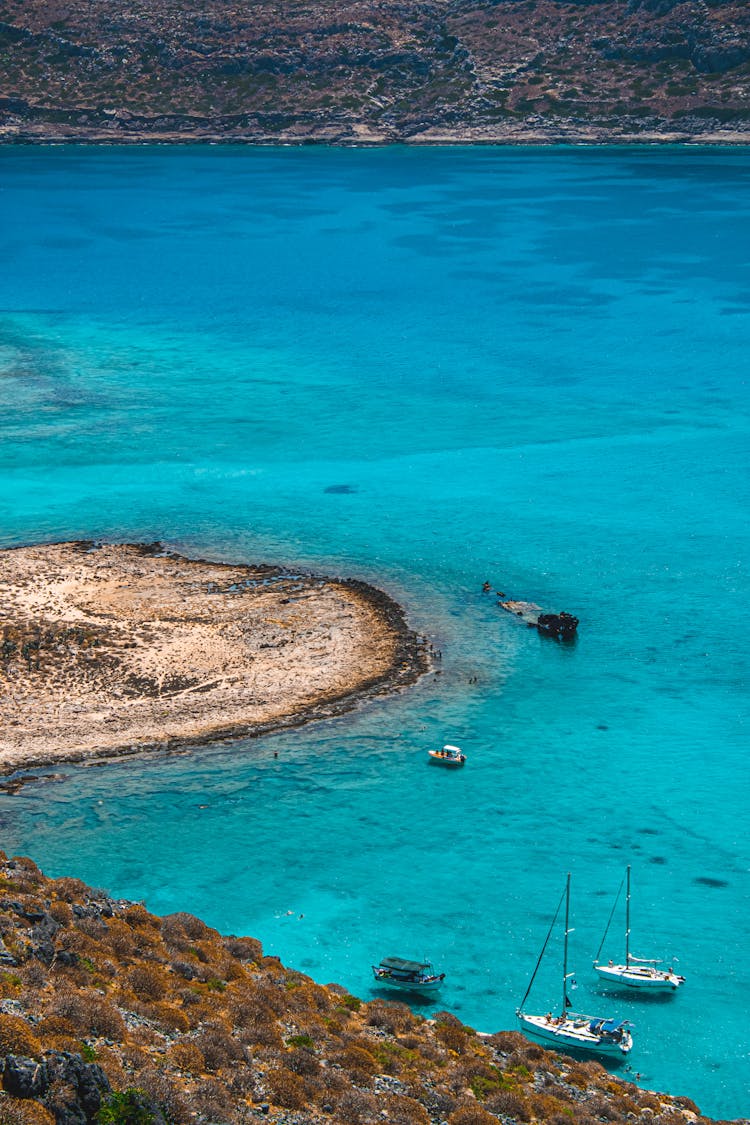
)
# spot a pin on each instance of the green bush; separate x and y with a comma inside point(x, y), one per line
point(130, 1107)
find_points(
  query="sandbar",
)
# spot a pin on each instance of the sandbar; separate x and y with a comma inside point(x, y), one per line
point(108, 649)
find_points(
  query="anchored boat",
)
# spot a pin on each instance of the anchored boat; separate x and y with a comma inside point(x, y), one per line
point(569, 1030)
point(636, 972)
point(448, 756)
point(407, 976)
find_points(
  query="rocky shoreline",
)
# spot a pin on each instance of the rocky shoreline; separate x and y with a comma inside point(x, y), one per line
point(107, 650)
point(111, 1015)
point(535, 134)
point(362, 73)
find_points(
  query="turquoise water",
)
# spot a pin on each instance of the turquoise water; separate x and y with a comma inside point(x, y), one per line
point(526, 366)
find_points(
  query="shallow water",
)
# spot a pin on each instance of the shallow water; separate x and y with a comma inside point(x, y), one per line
point(423, 368)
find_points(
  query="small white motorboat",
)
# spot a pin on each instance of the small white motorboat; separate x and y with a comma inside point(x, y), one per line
point(448, 756)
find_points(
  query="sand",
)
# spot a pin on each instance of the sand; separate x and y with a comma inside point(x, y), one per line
point(109, 649)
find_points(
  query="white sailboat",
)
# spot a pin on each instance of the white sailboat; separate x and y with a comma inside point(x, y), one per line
point(636, 972)
point(569, 1030)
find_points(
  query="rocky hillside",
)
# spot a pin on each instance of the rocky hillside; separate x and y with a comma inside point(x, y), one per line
point(113, 1016)
point(375, 70)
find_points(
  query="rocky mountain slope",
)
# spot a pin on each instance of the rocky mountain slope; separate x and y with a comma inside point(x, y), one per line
point(375, 70)
point(111, 1015)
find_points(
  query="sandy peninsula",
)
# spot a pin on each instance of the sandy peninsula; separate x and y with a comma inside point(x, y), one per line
point(111, 649)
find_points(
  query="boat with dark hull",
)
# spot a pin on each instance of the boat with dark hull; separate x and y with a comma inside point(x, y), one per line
point(407, 976)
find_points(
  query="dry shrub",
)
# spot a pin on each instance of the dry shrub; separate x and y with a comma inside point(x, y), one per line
point(272, 967)
point(184, 969)
point(471, 1113)
point(243, 1082)
point(357, 1108)
point(285, 1088)
point(404, 1111)
point(110, 1063)
point(89, 1014)
point(10, 984)
point(232, 970)
point(507, 1041)
point(218, 1047)
point(452, 1035)
point(308, 996)
point(17, 1038)
point(545, 1108)
point(358, 1062)
point(14, 1111)
point(71, 890)
point(211, 1101)
point(303, 1061)
point(148, 982)
point(168, 1017)
point(394, 1018)
point(602, 1107)
point(430, 1052)
point(187, 1056)
point(35, 975)
point(146, 1036)
point(509, 1103)
point(92, 927)
point(137, 917)
point(584, 1074)
point(647, 1100)
point(255, 1020)
point(55, 1025)
point(134, 1057)
point(167, 1095)
point(686, 1103)
point(529, 1054)
point(245, 949)
point(61, 912)
point(104, 1020)
point(119, 939)
point(182, 929)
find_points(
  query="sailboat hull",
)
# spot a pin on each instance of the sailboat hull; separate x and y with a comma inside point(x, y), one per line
point(574, 1033)
point(644, 977)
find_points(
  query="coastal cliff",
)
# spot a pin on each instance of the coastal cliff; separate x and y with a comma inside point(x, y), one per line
point(113, 1015)
point(525, 71)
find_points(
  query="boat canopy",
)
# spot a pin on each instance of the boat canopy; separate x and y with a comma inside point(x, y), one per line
point(399, 965)
point(607, 1025)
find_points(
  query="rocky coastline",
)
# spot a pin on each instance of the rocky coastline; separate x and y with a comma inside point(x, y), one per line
point(527, 72)
point(113, 649)
point(111, 1015)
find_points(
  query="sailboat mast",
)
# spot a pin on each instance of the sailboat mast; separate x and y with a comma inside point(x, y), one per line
point(565, 947)
point(627, 921)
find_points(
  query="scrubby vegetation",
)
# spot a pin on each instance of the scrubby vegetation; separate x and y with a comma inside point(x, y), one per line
point(349, 70)
point(111, 1015)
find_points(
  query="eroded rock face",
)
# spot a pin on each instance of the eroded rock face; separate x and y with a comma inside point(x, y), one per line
point(84, 1085)
point(365, 71)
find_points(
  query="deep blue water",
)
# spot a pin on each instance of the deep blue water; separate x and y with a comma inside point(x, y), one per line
point(528, 367)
